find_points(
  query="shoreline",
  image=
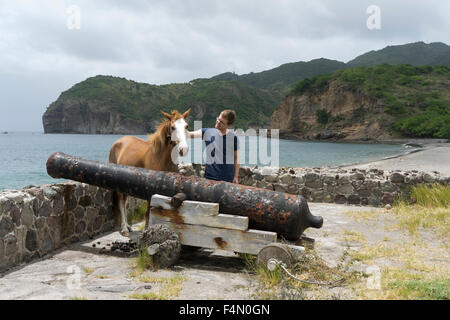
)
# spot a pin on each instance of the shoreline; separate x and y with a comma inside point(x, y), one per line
point(431, 155)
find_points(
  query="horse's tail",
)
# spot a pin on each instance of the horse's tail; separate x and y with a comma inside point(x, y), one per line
point(112, 158)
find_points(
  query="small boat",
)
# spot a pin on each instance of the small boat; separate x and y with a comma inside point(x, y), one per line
point(5, 132)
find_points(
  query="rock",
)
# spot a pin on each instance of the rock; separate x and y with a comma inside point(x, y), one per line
point(10, 245)
point(49, 193)
point(80, 227)
point(312, 180)
point(397, 178)
point(85, 201)
point(6, 226)
point(293, 188)
point(169, 248)
point(47, 244)
point(286, 179)
point(354, 199)
point(340, 199)
point(345, 189)
point(266, 171)
point(273, 178)
point(428, 178)
point(387, 198)
point(31, 240)
point(45, 210)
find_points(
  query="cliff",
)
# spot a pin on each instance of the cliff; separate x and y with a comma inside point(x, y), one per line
point(354, 116)
point(90, 117)
point(376, 103)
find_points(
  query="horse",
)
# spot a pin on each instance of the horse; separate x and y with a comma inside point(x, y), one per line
point(153, 154)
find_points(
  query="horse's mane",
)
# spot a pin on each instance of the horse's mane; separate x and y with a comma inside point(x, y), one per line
point(158, 140)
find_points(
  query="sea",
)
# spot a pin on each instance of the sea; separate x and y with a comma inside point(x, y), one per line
point(23, 155)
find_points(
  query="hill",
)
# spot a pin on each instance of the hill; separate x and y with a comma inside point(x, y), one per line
point(106, 104)
point(416, 54)
point(369, 103)
point(284, 77)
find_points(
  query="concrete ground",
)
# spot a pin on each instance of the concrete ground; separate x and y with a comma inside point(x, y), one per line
point(84, 272)
point(366, 238)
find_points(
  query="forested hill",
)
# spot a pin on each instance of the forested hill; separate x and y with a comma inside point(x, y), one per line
point(285, 77)
point(107, 104)
point(369, 103)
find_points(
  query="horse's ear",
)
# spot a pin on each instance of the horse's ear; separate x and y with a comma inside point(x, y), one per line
point(186, 113)
point(168, 116)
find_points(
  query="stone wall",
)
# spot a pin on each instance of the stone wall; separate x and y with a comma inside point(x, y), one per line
point(356, 186)
point(35, 221)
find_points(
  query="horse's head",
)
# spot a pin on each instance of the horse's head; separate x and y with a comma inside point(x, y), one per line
point(178, 132)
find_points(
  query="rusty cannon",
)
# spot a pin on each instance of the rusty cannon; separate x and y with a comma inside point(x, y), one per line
point(286, 214)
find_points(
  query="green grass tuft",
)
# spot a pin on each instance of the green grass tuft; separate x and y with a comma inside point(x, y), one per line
point(436, 289)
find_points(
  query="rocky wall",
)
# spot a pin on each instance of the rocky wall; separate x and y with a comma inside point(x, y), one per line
point(37, 220)
point(356, 186)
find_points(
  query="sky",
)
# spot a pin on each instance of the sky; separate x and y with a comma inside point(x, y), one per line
point(47, 46)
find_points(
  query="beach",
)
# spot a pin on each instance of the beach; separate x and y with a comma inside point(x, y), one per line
point(434, 155)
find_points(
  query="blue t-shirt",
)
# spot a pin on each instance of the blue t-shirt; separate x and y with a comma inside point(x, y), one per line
point(219, 154)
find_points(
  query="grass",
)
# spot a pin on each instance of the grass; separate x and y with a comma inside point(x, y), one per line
point(88, 270)
point(141, 266)
point(410, 270)
point(430, 209)
point(78, 298)
point(143, 262)
point(171, 289)
point(363, 215)
point(436, 289)
point(310, 267)
point(414, 266)
point(353, 236)
point(138, 215)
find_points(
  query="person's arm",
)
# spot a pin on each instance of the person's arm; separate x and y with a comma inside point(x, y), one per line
point(236, 166)
point(195, 134)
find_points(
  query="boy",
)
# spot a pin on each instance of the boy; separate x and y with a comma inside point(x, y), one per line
point(222, 149)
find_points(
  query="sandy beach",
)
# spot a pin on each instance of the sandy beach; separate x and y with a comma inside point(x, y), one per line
point(433, 156)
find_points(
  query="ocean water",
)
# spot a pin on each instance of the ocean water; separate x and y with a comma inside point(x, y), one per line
point(23, 155)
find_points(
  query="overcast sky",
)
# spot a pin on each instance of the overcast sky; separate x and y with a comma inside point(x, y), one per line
point(43, 52)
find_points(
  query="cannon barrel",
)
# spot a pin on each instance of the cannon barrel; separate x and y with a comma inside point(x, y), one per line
point(286, 214)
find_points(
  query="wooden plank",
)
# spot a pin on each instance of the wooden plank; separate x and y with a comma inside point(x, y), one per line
point(250, 241)
point(188, 206)
point(226, 221)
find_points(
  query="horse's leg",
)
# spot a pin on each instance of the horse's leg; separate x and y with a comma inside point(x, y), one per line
point(147, 215)
point(124, 227)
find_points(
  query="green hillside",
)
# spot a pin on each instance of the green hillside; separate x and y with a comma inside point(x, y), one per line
point(206, 97)
point(255, 96)
point(417, 97)
point(417, 54)
point(284, 77)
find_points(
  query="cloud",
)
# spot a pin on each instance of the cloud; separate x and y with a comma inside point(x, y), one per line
point(168, 41)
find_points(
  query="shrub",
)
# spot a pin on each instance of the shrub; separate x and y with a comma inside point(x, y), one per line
point(323, 116)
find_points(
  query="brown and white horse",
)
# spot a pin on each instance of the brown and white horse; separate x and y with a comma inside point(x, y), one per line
point(154, 154)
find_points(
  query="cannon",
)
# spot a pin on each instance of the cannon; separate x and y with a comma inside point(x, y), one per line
point(286, 214)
